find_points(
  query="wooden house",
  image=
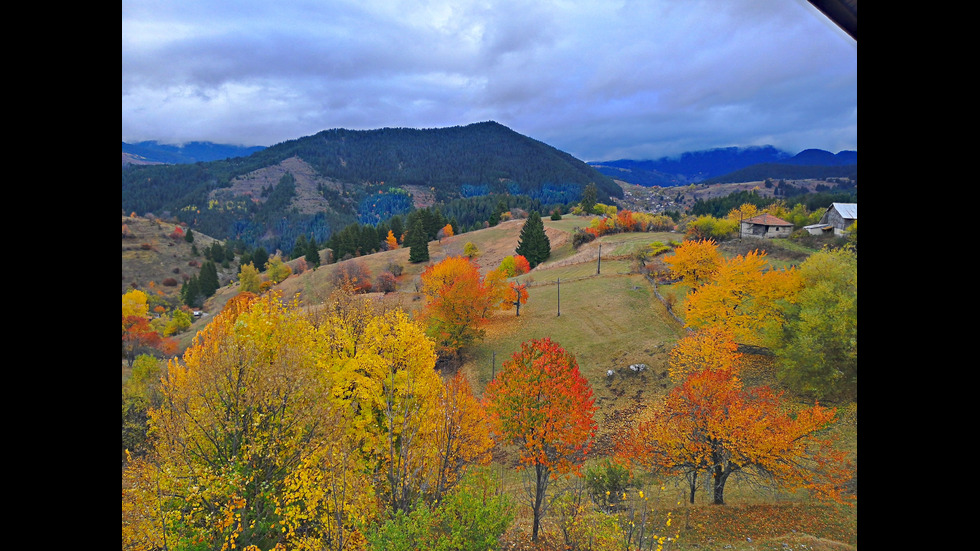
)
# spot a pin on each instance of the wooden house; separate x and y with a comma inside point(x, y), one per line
point(840, 216)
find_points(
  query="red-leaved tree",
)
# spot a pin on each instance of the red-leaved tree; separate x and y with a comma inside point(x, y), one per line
point(542, 404)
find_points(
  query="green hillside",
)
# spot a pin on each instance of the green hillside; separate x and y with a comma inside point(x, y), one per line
point(316, 185)
point(609, 316)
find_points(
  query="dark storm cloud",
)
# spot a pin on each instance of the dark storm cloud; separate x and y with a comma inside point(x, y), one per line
point(600, 80)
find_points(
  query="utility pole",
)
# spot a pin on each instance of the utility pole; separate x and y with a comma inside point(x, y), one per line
point(559, 296)
point(598, 265)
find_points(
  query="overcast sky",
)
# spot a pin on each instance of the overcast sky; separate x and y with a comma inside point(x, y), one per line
point(599, 79)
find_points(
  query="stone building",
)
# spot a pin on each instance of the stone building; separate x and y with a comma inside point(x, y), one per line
point(765, 226)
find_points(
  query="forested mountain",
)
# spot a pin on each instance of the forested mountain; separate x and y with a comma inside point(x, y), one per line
point(318, 184)
point(731, 164)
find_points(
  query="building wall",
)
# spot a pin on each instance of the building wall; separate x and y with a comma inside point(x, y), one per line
point(834, 218)
point(765, 232)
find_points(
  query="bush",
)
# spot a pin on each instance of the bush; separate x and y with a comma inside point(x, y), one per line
point(607, 482)
point(472, 517)
point(353, 273)
point(581, 237)
point(385, 282)
point(394, 269)
point(709, 227)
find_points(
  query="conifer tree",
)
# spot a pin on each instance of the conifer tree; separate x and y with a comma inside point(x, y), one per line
point(534, 244)
point(589, 198)
point(419, 243)
point(208, 279)
point(312, 253)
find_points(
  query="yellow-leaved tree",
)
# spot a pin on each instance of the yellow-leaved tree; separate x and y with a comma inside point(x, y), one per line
point(285, 427)
point(241, 411)
point(694, 261)
point(710, 348)
point(743, 296)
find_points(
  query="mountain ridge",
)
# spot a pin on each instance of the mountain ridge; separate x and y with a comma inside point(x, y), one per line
point(365, 176)
point(713, 164)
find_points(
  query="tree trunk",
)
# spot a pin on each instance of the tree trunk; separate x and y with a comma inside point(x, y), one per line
point(720, 476)
point(692, 480)
point(541, 474)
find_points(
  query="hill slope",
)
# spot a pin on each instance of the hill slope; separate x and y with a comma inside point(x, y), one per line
point(352, 175)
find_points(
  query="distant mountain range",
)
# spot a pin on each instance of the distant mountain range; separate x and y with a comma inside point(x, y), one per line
point(152, 152)
point(731, 164)
point(722, 165)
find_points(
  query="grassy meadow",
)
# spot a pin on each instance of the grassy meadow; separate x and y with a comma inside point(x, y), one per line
point(609, 321)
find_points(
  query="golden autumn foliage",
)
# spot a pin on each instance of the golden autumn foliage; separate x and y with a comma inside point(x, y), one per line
point(391, 240)
point(710, 348)
point(694, 261)
point(516, 296)
point(456, 302)
point(710, 428)
point(743, 296)
point(282, 428)
point(134, 303)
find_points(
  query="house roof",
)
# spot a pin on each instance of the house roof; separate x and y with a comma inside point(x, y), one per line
point(767, 219)
point(847, 211)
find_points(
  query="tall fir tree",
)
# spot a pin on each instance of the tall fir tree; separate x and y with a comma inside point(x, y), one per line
point(419, 243)
point(534, 244)
point(208, 279)
point(312, 253)
point(589, 198)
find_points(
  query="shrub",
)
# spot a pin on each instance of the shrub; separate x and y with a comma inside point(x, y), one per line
point(353, 273)
point(581, 237)
point(472, 517)
point(394, 268)
point(606, 482)
point(169, 282)
point(709, 227)
point(385, 282)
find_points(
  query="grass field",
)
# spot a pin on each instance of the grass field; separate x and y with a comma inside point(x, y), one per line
point(609, 321)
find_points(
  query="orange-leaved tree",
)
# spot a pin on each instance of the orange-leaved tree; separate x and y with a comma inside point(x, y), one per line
point(709, 348)
point(743, 295)
point(540, 403)
point(456, 303)
point(710, 426)
point(461, 436)
point(694, 261)
point(391, 240)
point(516, 296)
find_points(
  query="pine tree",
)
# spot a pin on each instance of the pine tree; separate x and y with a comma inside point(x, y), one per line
point(299, 247)
point(259, 258)
point(190, 292)
point(419, 243)
point(208, 279)
point(312, 253)
point(534, 244)
point(589, 198)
